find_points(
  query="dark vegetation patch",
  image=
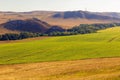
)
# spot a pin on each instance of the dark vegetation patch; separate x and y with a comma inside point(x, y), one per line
point(31, 25)
point(23, 35)
point(35, 28)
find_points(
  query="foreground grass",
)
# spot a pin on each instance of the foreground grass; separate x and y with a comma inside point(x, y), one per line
point(105, 43)
point(91, 69)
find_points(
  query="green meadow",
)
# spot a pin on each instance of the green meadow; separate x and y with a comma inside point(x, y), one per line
point(103, 44)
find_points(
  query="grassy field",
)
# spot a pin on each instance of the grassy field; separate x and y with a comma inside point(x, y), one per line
point(59, 58)
point(105, 43)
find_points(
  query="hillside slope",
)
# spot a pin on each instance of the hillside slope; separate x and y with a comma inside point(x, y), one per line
point(112, 14)
point(5, 30)
point(105, 43)
point(66, 19)
point(28, 25)
point(83, 15)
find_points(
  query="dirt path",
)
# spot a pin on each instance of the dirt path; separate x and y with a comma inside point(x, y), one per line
point(91, 69)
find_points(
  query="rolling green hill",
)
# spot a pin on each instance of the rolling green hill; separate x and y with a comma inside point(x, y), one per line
point(105, 43)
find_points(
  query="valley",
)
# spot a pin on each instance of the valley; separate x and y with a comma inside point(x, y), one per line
point(59, 40)
point(91, 56)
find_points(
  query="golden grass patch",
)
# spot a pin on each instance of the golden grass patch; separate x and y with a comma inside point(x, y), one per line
point(90, 69)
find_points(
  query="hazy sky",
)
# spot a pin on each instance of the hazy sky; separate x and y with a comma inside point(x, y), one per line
point(60, 5)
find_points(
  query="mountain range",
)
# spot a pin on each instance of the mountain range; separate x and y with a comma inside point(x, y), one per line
point(40, 21)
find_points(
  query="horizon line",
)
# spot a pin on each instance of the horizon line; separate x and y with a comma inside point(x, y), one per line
point(53, 11)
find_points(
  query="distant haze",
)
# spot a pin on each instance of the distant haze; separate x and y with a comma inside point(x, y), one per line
point(60, 5)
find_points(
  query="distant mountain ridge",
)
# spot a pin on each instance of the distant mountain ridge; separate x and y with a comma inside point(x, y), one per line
point(111, 14)
point(87, 15)
point(46, 19)
point(72, 14)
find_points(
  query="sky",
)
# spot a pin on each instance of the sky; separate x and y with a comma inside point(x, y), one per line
point(60, 5)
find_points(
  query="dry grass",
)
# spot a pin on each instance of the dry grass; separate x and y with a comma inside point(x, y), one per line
point(91, 69)
point(65, 23)
point(69, 23)
point(4, 30)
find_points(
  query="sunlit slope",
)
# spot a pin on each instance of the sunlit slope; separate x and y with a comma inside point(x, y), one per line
point(105, 43)
point(101, 36)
